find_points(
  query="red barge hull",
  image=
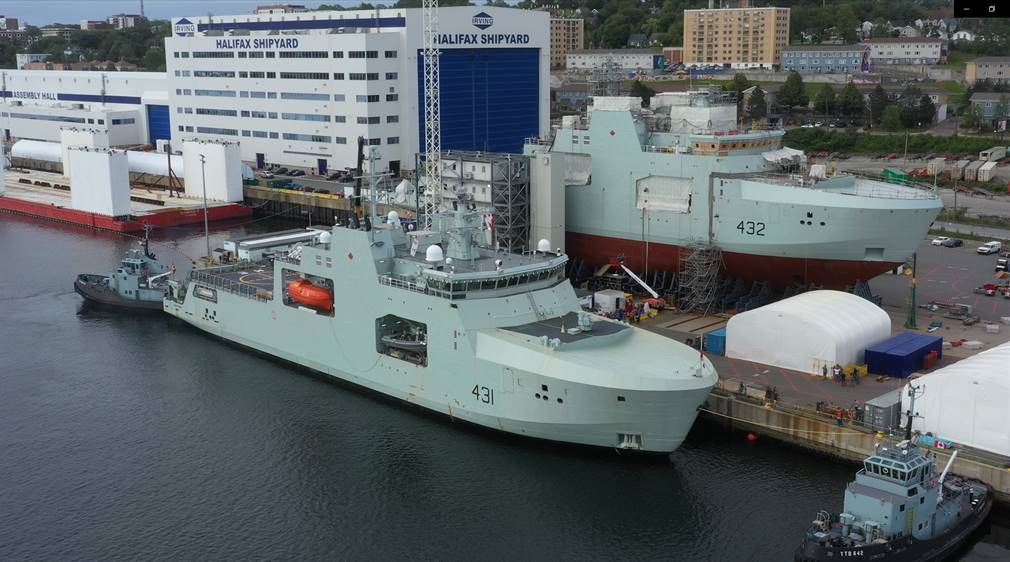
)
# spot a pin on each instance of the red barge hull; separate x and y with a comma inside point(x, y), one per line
point(135, 223)
point(778, 271)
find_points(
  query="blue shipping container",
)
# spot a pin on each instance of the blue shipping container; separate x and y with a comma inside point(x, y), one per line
point(902, 354)
point(715, 341)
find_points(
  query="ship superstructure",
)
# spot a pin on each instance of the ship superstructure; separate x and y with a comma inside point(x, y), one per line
point(682, 173)
point(436, 319)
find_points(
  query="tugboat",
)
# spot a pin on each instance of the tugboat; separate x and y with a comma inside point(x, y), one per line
point(897, 509)
point(139, 284)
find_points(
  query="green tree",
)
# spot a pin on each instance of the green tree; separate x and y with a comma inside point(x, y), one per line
point(793, 93)
point(926, 110)
point(878, 101)
point(757, 105)
point(891, 118)
point(639, 89)
point(1002, 107)
point(739, 83)
point(969, 119)
point(824, 100)
point(850, 101)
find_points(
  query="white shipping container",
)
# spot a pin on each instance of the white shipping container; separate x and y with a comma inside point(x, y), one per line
point(99, 181)
point(971, 170)
point(985, 173)
point(957, 171)
point(993, 154)
point(936, 166)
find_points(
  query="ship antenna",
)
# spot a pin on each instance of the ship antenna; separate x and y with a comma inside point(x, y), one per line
point(913, 392)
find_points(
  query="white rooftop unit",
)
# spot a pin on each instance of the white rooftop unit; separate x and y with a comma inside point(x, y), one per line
point(99, 181)
point(808, 331)
point(968, 402)
point(223, 169)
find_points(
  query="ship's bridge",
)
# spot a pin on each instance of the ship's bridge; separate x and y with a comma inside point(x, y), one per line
point(901, 464)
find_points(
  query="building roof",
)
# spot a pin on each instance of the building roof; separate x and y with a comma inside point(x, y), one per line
point(655, 51)
point(903, 40)
point(823, 47)
point(1003, 60)
point(989, 96)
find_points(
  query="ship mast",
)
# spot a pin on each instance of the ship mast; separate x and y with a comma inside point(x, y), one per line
point(914, 391)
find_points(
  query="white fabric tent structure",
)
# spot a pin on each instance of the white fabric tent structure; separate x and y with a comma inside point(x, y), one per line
point(808, 331)
point(967, 402)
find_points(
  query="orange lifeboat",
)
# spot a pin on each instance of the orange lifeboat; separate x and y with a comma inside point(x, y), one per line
point(303, 291)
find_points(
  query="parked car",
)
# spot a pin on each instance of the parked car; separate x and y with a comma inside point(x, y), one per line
point(281, 171)
point(990, 247)
point(953, 243)
point(1002, 264)
point(295, 173)
point(334, 176)
point(939, 240)
point(324, 191)
point(266, 175)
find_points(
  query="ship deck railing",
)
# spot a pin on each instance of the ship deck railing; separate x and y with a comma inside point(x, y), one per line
point(537, 141)
point(915, 190)
point(398, 283)
point(216, 277)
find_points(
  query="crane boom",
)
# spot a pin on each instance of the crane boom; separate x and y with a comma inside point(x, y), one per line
point(432, 115)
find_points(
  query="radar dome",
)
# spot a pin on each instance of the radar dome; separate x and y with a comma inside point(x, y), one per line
point(324, 237)
point(544, 245)
point(393, 218)
point(433, 254)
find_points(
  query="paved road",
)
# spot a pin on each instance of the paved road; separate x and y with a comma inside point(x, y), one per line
point(986, 231)
point(977, 205)
point(945, 128)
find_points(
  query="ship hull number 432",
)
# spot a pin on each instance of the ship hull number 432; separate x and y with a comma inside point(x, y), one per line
point(751, 228)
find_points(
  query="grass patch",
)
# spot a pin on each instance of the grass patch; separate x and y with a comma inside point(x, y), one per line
point(957, 59)
point(961, 217)
point(965, 235)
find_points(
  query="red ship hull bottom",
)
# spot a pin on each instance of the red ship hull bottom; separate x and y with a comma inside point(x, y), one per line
point(779, 272)
point(174, 217)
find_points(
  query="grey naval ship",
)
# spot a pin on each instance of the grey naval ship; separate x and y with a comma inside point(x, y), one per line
point(437, 319)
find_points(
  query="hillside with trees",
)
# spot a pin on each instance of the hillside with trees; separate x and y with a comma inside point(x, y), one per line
point(143, 45)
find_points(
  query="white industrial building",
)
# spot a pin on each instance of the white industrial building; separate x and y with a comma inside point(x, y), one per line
point(967, 402)
point(624, 59)
point(298, 89)
point(808, 332)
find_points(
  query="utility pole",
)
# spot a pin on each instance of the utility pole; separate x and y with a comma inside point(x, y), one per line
point(910, 319)
point(906, 147)
point(206, 227)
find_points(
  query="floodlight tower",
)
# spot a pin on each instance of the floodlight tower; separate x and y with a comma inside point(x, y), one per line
point(432, 116)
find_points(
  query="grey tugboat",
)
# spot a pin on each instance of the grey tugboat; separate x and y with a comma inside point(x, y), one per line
point(139, 284)
point(899, 509)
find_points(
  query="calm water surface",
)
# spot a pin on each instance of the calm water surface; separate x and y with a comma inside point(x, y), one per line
point(126, 437)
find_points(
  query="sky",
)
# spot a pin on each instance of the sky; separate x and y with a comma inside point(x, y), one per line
point(42, 12)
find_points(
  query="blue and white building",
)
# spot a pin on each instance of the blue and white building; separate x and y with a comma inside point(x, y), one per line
point(298, 89)
point(817, 59)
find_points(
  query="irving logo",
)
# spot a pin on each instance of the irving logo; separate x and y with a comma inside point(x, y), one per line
point(482, 21)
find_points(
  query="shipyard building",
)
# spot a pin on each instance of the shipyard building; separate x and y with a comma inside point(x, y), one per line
point(298, 89)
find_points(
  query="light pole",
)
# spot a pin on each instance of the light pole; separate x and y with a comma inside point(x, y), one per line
point(206, 227)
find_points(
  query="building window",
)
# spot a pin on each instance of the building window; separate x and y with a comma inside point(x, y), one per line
point(374, 142)
point(390, 54)
point(273, 135)
point(304, 96)
point(338, 75)
point(216, 93)
point(338, 97)
point(368, 120)
point(391, 97)
point(242, 54)
point(259, 134)
point(213, 73)
point(305, 117)
point(392, 140)
point(368, 99)
point(392, 119)
point(245, 133)
point(338, 54)
point(307, 138)
point(340, 140)
point(392, 76)
point(305, 75)
point(364, 76)
point(271, 55)
point(213, 54)
point(217, 131)
point(219, 112)
point(255, 54)
point(363, 54)
point(243, 94)
point(340, 119)
point(302, 55)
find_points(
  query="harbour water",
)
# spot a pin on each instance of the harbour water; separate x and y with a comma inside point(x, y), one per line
point(135, 437)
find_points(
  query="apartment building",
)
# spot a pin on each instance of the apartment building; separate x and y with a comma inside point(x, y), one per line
point(567, 35)
point(741, 37)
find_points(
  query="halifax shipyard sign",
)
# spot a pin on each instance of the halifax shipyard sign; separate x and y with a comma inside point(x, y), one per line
point(482, 21)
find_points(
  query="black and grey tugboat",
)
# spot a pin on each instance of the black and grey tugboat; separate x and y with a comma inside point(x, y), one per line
point(139, 284)
point(898, 509)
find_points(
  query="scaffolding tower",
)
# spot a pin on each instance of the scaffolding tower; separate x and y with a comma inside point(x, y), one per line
point(606, 79)
point(700, 263)
point(500, 181)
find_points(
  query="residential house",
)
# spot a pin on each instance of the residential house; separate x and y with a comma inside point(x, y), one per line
point(637, 41)
point(905, 50)
point(815, 59)
point(963, 35)
point(996, 69)
point(988, 104)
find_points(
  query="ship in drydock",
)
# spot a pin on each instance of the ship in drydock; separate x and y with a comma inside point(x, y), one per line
point(647, 183)
point(437, 319)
